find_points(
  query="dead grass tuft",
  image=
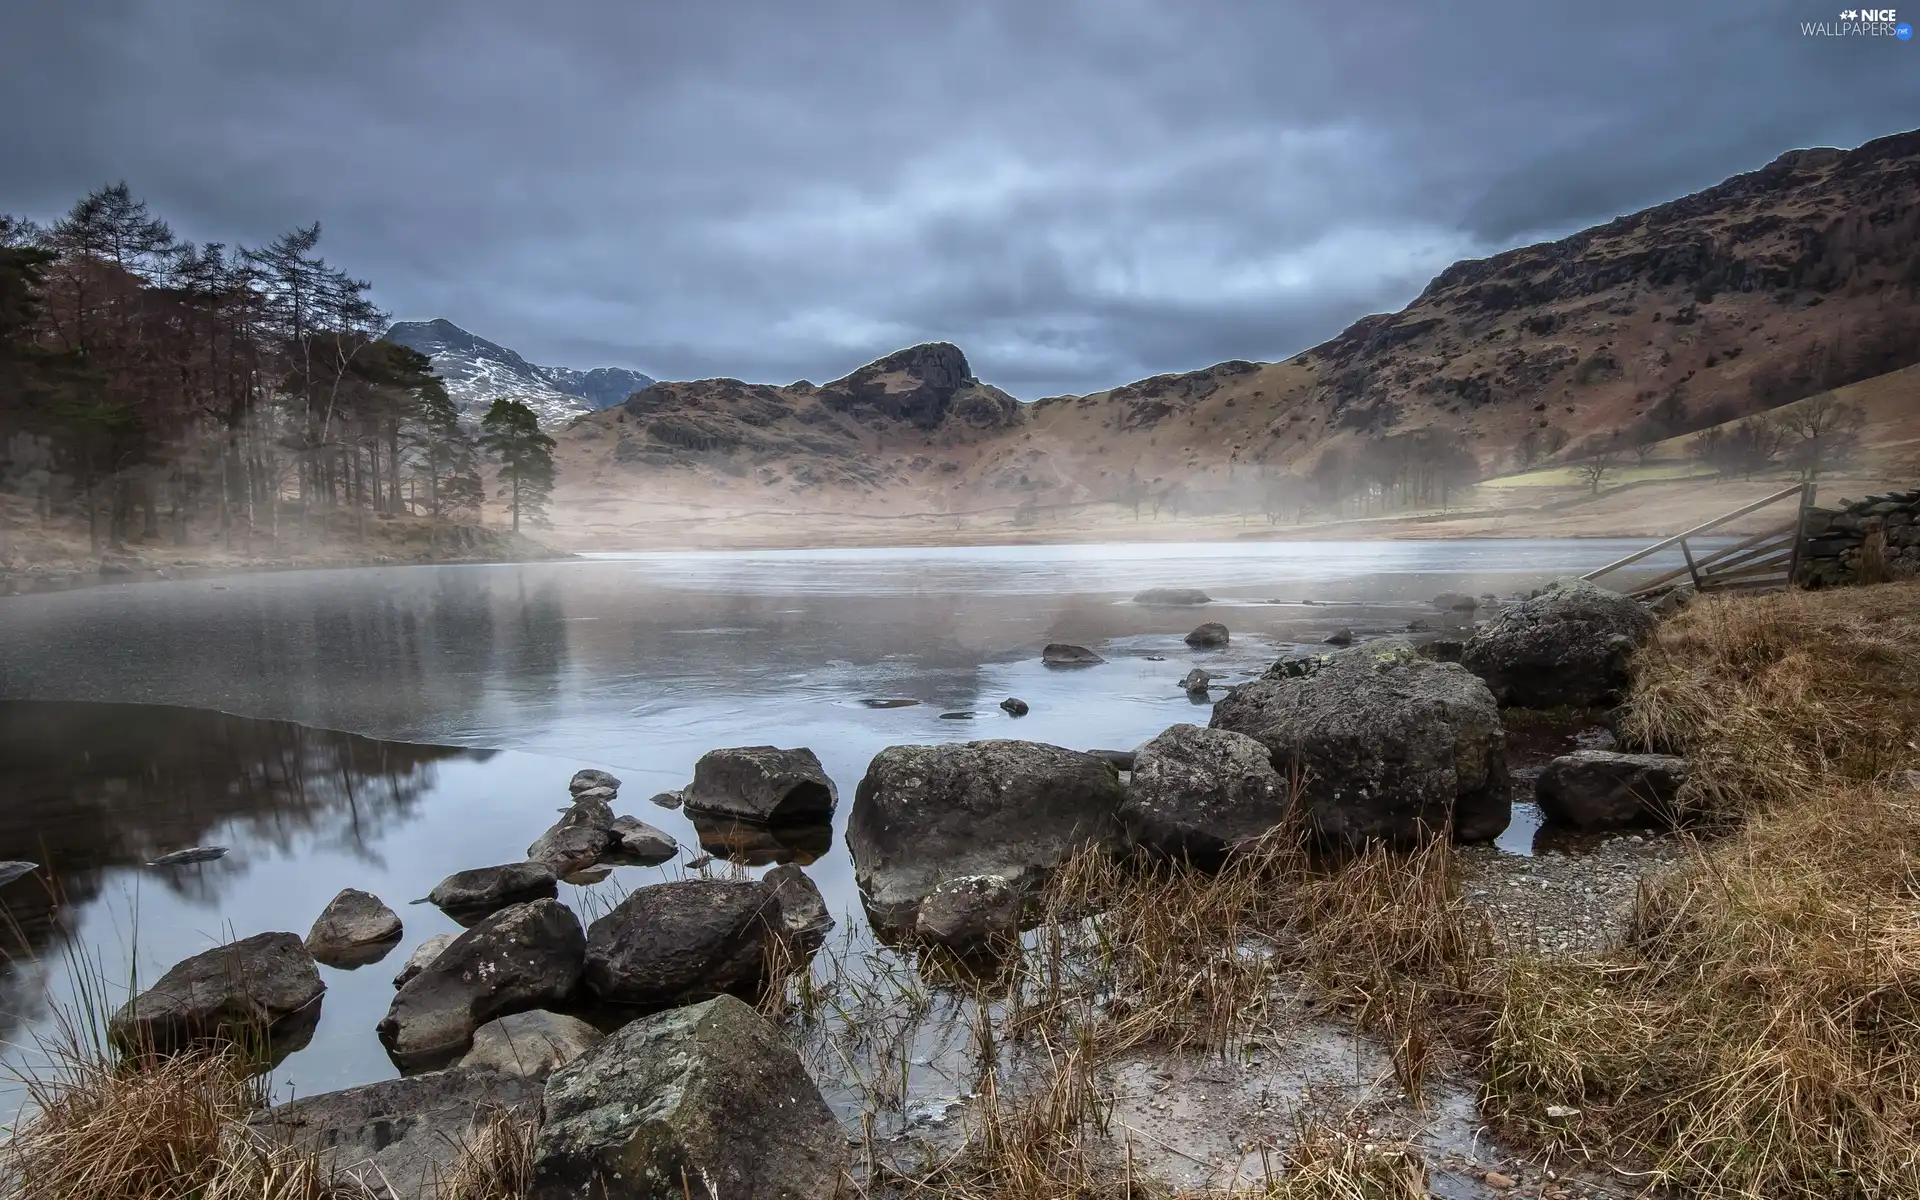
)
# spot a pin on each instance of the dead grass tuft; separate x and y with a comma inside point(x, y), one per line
point(496, 1163)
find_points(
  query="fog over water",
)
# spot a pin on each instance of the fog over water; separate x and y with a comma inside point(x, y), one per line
point(385, 727)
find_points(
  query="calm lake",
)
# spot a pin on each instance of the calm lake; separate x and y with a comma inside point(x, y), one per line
point(385, 727)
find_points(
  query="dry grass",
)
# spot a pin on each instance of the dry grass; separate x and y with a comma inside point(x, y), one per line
point(496, 1163)
point(1758, 1035)
point(1774, 696)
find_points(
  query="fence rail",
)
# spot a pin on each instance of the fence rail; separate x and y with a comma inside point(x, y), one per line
point(1765, 559)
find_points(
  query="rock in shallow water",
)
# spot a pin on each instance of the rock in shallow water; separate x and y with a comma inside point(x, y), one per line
point(706, 1100)
point(1392, 747)
point(1064, 654)
point(762, 783)
point(686, 940)
point(803, 910)
point(355, 929)
point(590, 778)
point(520, 958)
point(533, 1044)
point(926, 814)
point(423, 956)
point(970, 914)
point(1211, 635)
point(233, 993)
point(482, 890)
point(1604, 789)
point(1014, 707)
point(1173, 595)
point(637, 843)
point(1196, 792)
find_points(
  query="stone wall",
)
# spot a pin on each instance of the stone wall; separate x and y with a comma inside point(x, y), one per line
point(1835, 538)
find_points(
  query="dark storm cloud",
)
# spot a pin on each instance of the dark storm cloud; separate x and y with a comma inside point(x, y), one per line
point(1078, 194)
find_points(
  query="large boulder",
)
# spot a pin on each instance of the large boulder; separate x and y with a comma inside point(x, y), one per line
point(1208, 636)
point(1391, 746)
point(688, 939)
point(481, 891)
point(354, 929)
point(707, 1100)
point(397, 1137)
point(1569, 645)
point(264, 988)
point(764, 784)
point(1197, 792)
point(533, 1044)
point(970, 914)
point(1605, 789)
point(926, 814)
point(520, 958)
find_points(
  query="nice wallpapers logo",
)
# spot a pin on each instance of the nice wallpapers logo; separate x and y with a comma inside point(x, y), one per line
point(1860, 22)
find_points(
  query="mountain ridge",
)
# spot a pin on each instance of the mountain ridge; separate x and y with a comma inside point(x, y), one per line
point(479, 371)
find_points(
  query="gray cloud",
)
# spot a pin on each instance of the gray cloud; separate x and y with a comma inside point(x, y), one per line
point(1078, 192)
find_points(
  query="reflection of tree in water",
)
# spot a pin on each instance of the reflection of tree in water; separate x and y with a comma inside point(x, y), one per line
point(94, 787)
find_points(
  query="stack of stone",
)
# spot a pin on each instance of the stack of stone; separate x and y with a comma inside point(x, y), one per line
point(1837, 538)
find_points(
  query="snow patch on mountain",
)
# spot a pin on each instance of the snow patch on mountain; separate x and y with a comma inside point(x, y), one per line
point(478, 372)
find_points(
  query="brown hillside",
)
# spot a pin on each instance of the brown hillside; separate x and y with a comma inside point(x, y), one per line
point(1774, 285)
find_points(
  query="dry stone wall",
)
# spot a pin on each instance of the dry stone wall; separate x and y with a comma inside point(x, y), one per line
point(1843, 541)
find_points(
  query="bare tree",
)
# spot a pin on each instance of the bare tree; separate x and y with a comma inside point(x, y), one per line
point(1602, 457)
point(1823, 432)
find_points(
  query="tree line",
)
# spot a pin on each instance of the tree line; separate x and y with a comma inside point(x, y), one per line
point(148, 383)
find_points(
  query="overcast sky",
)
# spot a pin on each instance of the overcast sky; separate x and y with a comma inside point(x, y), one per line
point(1078, 194)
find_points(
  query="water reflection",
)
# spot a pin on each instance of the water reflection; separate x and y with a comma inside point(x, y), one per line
point(754, 845)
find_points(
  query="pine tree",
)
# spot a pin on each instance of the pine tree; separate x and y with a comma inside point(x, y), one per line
point(449, 462)
point(510, 433)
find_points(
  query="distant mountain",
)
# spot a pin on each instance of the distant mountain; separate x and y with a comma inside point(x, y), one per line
point(478, 372)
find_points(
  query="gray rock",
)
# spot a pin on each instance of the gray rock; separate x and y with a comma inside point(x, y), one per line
point(533, 1044)
point(925, 814)
point(1208, 636)
point(1605, 789)
point(397, 1137)
point(1455, 602)
point(568, 848)
point(637, 843)
point(1014, 706)
point(353, 930)
point(1442, 649)
point(803, 910)
point(1392, 747)
point(1063, 654)
point(1119, 760)
point(762, 783)
point(1671, 601)
point(14, 869)
point(520, 958)
point(1173, 595)
point(1197, 681)
point(482, 890)
point(1340, 637)
point(590, 778)
point(1196, 792)
point(189, 856)
point(239, 992)
point(1567, 646)
point(596, 795)
point(971, 913)
point(667, 800)
point(707, 1100)
point(686, 940)
point(423, 956)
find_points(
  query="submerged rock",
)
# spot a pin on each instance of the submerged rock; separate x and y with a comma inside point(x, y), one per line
point(1392, 747)
point(1604, 789)
point(926, 814)
point(1569, 645)
point(524, 957)
point(397, 1137)
point(1208, 636)
point(1064, 654)
point(1173, 595)
point(762, 783)
point(706, 1100)
point(1196, 792)
point(686, 940)
point(533, 1044)
point(241, 992)
point(355, 929)
point(472, 894)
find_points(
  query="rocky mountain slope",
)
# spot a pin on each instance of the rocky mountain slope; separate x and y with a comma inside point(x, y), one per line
point(1773, 285)
point(478, 372)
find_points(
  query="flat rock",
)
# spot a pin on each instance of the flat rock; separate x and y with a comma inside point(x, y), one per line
point(682, 941)
point(705, 1100)
point(398, 1137)
point(239, 992)
point(637, 843)
point(1605, 789)
point(533, 1044)
point(1569, 645)
point(422, 956)
point(926, 814)
point(520, 958)
point(483, 890)
point(1064, 654)
point(1392, 747)
point(1173, 595)
point(1196, 793)
point(762, 783)
point(356, 928)
point(1208, 636)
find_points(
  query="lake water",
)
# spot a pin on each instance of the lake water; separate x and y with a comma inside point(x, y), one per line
point(383, 727)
